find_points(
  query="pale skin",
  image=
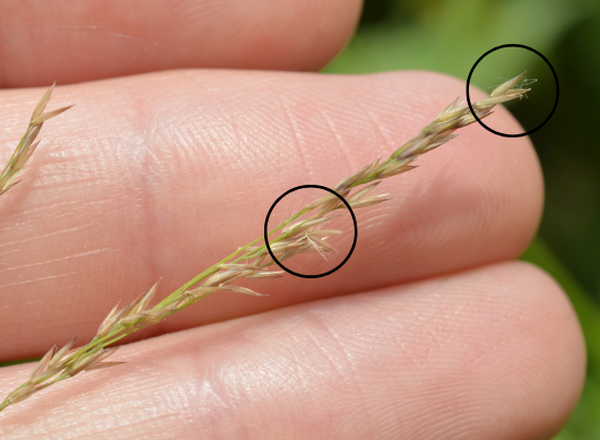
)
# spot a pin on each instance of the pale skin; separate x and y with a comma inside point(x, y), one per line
point(431, 330)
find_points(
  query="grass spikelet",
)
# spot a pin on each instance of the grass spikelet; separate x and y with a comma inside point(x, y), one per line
point(27, 145)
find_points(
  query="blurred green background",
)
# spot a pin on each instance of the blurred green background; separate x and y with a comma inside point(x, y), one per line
point(449, 36)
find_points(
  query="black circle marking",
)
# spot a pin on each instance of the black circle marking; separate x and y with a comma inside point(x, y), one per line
point(522, 46)
point(301, 275)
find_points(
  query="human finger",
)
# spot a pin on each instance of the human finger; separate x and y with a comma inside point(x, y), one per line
point(70, 42)
point(492, 353)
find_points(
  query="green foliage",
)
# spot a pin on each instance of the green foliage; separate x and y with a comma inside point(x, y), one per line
point(449, 36)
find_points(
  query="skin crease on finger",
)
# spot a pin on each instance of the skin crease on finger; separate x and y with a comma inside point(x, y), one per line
point(72, 41)
point(162, 175)
point(491, 353)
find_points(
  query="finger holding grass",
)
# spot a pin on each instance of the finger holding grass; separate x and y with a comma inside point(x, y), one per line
point(469, 204)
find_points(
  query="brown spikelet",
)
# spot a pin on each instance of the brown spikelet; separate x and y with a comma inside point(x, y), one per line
point(59, 356)
point(27, 145)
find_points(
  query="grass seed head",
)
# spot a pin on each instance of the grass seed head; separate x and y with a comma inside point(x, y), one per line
point(299, 237)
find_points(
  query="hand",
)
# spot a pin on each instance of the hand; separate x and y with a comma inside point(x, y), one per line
point(429, 331)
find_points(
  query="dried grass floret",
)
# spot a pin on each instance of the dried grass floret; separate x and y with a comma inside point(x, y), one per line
point(16, 164)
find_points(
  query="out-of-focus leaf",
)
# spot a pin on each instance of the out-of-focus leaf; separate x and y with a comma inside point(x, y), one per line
point(449, 36)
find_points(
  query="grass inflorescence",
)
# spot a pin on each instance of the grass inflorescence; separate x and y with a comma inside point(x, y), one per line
point(253, 260)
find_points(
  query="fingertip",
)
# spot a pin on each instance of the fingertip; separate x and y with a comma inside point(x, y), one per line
point(102, 39)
